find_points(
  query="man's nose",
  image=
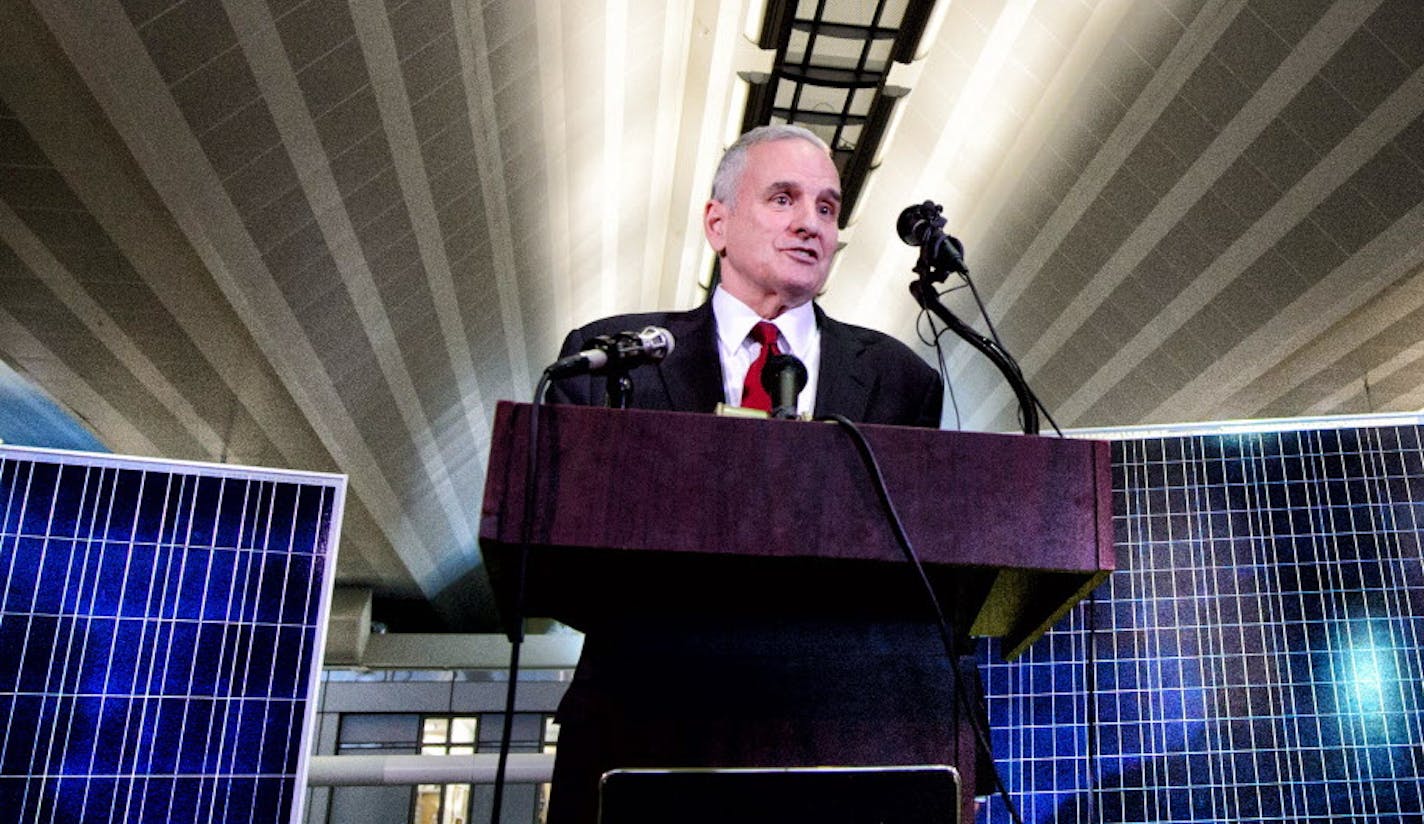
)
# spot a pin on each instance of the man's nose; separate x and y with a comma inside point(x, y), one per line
point(804, 221)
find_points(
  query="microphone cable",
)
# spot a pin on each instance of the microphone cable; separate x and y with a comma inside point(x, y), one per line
point(516, 620)
point(947, 631)
point(937, 334)
point(989, 323)
point(935, 337)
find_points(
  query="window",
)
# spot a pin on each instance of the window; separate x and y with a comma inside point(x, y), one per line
point(445, 803)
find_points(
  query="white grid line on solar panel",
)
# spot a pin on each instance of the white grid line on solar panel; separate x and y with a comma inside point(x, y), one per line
point(314, 550)
point(227, 718)
point(156, 619)
point(4, 603)
point(139, 697)
point(1210, 549)
point(1232, 485)
point(271, 671)
point(1206, 688)
point(1300, 796)
point(1115, 759)
point(1275, 454)
point(177, 775)
point(1356, 719)
point(49, 749)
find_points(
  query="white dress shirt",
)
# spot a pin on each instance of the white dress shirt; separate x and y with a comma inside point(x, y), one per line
point(799, 336)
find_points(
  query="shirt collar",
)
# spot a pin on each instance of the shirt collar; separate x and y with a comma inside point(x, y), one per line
point(735, 321)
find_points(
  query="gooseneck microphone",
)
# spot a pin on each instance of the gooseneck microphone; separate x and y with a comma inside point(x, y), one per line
point(922, 225)
point(783, 377)
point(617, 352)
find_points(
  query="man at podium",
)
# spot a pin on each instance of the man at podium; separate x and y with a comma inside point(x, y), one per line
point(759, 690)
point(772, 220)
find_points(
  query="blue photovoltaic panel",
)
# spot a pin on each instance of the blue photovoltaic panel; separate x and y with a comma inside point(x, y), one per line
point(1258, 655)
point(161, 628)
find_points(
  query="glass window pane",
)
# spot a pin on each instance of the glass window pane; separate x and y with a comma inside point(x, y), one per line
point(363, 728)
point(823, 99)
point(436, 731)
point(850, 137)
point(796, 46)
point(853, 12)
point(462, 730)
point(860, 102)
point(785, 90)
point(427, 804)
point(879, 58)
point(457, 804)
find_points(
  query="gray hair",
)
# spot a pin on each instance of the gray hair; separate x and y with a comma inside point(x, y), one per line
point(734, 161)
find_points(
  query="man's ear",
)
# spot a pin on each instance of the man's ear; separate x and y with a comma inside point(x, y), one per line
point(714, 225)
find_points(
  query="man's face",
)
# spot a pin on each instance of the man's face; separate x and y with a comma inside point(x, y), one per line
point(777, 239)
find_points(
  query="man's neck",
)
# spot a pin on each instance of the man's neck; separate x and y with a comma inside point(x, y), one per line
point(769, 305)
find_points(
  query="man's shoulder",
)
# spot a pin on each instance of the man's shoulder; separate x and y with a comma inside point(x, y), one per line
point(876, 344)
point(636, 321)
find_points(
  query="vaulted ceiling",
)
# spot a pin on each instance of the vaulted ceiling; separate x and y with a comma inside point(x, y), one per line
point(330, 235)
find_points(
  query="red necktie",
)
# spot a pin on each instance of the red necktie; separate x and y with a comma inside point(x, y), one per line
point(754, 395)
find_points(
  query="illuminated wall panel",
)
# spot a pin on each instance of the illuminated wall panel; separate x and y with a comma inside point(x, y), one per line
point(1259, 655)
point(160, 637)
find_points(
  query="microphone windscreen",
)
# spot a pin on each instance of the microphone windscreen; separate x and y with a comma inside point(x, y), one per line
point(916, 223)
point(658, 342)
point(777, 366)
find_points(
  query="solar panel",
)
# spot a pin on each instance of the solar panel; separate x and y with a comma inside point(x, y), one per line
point(1259, 654)
point(160, 636)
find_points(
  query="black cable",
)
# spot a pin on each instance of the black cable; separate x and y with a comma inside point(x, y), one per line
point(947, 632)
point(989, 323)
point(936, 336)
point(515, 621)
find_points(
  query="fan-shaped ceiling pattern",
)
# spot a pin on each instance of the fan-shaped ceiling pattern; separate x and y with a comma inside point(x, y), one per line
point(331, 235)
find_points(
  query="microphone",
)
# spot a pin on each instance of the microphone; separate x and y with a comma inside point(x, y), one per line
point(622, 351)
point(922, 225)
point(783, 377)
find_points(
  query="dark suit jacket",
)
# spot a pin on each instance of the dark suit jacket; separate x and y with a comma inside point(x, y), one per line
point(743, 690)
point(867, 376)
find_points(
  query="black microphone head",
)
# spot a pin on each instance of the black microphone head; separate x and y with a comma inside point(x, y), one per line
point(919, 223)
point(783, 377)
point(778, 365)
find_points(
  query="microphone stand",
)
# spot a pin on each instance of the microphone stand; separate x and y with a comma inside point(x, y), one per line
point(620, 389)
point(927, 297)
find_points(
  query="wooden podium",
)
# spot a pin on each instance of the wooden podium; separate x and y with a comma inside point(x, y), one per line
point(663, 519)
point(649, 512)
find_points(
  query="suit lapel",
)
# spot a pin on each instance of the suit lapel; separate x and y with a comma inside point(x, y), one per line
point(840, 386)
point(692, 374)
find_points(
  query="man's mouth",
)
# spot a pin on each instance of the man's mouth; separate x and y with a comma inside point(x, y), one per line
point(805, 254)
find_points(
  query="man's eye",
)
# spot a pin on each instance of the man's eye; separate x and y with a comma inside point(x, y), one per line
point(781, 200)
